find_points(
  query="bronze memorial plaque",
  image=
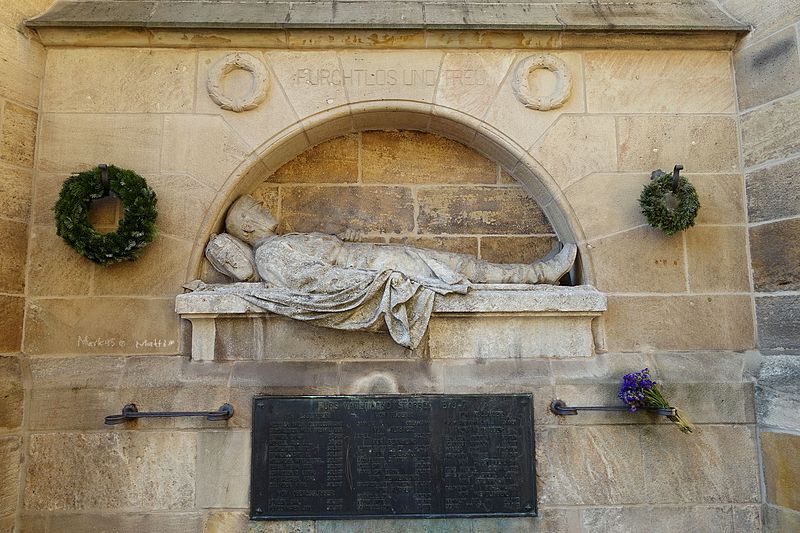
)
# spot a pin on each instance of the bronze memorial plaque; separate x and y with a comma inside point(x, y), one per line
point(392, 456)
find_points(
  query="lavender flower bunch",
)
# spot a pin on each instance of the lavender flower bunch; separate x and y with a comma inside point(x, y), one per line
point(639, 390)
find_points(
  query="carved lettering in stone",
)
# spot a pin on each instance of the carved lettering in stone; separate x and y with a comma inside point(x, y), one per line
point(520, 82)
point(226, 65)
point(387, 77)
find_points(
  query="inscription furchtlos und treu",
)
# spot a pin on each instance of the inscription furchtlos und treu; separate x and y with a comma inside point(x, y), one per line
point(388, 77)
point(353, 456)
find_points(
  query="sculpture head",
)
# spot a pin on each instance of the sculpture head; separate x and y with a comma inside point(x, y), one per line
point(249, 221)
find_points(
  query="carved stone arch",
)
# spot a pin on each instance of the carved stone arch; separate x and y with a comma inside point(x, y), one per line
point(397, 115)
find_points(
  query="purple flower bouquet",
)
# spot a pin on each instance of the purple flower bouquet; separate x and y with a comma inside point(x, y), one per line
point(638, 390)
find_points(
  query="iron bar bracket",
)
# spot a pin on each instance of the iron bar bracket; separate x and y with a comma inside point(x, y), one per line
point(559, 407)
point(130, 412)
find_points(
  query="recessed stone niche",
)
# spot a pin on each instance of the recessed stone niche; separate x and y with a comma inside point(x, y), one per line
point(407, 187)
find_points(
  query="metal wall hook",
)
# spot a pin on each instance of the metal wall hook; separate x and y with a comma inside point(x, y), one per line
point(103, 174)
point(676, 176)
point(559, 407)
point(131, 412)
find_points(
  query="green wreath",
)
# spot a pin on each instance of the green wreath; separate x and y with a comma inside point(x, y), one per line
point(136, 229)
point(655, 201)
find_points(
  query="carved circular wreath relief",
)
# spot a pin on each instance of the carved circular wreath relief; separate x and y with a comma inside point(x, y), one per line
point(520, 82)
point(226, 65)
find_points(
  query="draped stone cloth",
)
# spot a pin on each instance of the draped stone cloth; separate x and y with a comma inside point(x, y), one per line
point(364, 287)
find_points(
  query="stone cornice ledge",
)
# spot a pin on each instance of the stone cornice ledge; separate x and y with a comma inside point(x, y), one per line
point(605, 15)
point(482, 299)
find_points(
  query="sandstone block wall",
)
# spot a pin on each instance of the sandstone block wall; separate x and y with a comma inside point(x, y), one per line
point(594, 155)
point(767, 67)
point(22, 59)
point(96, 339)
point(413, 188)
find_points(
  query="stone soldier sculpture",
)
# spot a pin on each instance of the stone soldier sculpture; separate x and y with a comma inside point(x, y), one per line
point(333, 282)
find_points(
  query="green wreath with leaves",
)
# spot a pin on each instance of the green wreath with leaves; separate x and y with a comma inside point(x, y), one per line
point(136, 229)
point(669, 201)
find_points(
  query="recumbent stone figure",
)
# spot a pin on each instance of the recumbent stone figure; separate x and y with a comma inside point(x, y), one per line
point(330, 281)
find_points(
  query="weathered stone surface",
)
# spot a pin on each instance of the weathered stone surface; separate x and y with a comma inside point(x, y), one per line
point(283, 526)
point(255, 126)
point(11, 317)
point(412, 377)
point(204, 146)
point(780, 519)
point(747, 518)
point(771, 132)
point(774, 192)
point(147, 471)
point(717, 259)
point(700, 367)
point(310, 78)
point(334, 161)
point(7, 524)
point(11, 393)
point(569, 474)
point(152, 80)
point(415, 74)
point(780, 372)
point(286, 377)
point(225, 522)
point(549, 520)
point(515, 249)
point(628, 81)
point(602, 368)
point(75, 408)
point(14, 236)
point(18, 136)
point(515, 337)
point(643, 259)
point(476, 210)
point(15, 193)
point(781, 469)
point(107, 522)
point(74, 142)
point(97, 326)
point(223, 469)
point(716, 518)
point(159, 271)
point(602, 202)
point(460, 245)
point(525, 125)
point(10, 462)
point(469, 80)
point(721, 198)
point(712, 403)
point(777, 408)
point(54, 268)
point(778, 322)
point(768, 69)
point(699, 143)
point(188, 201)
point(767, 16)
point(279, 338)
point(20, 81)
point(656, 320)
point(414, 157)
point(591, 142)
point(716, 464)
point(775, 254)
point(372, 209)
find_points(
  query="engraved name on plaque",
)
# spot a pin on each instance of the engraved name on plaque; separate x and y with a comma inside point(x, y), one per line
point(392, 456)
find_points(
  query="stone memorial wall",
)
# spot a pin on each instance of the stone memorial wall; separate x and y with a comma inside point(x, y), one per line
point(489, 143)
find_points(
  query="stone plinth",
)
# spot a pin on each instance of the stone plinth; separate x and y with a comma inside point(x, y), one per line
point(491, 321)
